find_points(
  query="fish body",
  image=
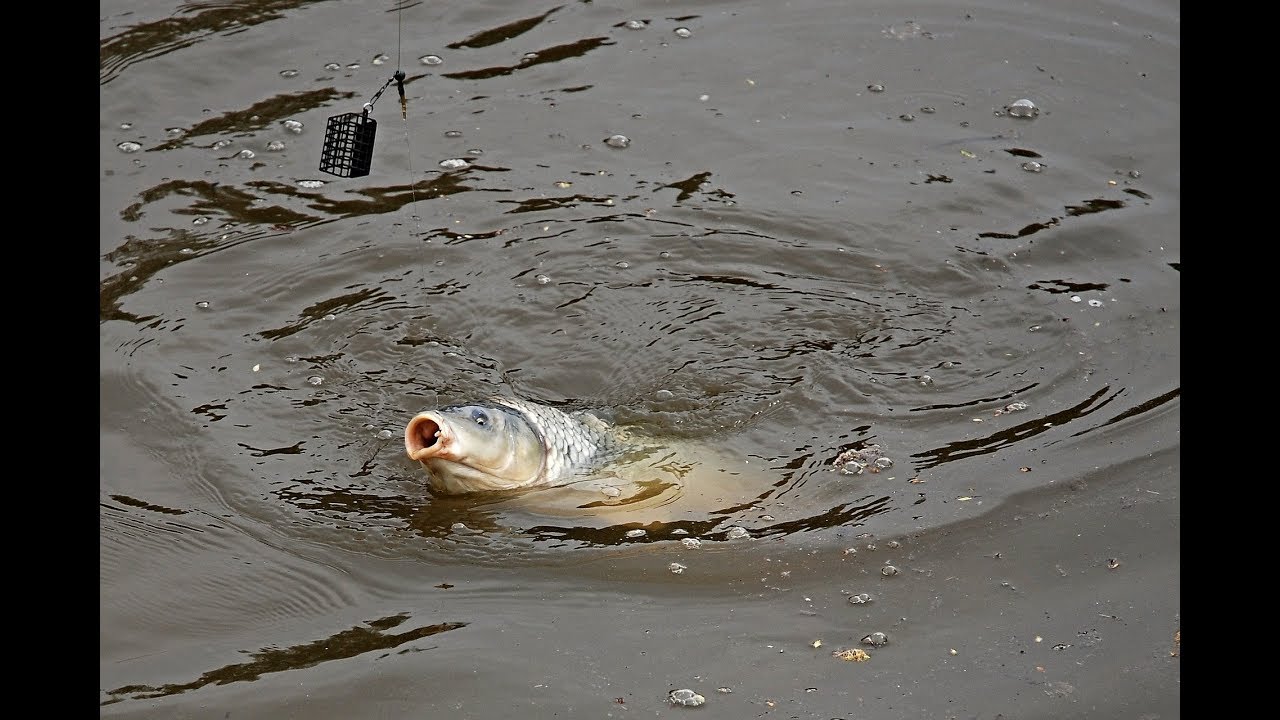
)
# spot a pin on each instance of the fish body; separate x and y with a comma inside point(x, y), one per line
point(507, 444)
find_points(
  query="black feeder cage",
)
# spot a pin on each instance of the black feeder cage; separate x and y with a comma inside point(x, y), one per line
point(348, 145)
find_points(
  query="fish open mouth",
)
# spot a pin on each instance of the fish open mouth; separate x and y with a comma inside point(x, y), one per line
point(425, 437)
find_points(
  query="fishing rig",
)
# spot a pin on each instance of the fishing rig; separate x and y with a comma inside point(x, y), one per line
point(348, 138)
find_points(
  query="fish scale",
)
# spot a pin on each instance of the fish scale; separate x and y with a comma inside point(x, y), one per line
point(572, 446)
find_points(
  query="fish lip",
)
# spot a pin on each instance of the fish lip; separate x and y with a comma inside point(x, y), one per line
point(424, 427)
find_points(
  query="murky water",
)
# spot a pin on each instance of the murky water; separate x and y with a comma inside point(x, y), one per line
point(774, 272)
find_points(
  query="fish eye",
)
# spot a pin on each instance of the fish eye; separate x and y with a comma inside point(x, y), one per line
point(480, 417)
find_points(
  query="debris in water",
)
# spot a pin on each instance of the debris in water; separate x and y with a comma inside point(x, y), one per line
point(686, 697)
point(854, 655)
point(1011, 407)
point(855, 460)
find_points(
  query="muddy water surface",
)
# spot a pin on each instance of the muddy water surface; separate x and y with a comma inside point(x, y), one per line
point(826, 235)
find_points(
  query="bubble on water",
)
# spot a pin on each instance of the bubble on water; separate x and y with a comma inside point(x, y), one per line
point(907, 30)
point(453, 133)
point(686, 697)
point(315, 380)
point(876, 639)
point(683, 32)
point(332, 66)
point(1076, 298)
point(126, 126)
point(174, 132)
point(622, 264)
point(1095, 303)
point(275, 145)
point(330, 316)
point(454, 164)
point(888, 571)
point(563, 184)
point(691, 543)
point(664, 395)
point(664, 254)
point(460, 528)
point(736, 533)
point(200, 221)
point(1023, 108)
point(1032, 166)
point(926, 380)
point(431, 60)
point(927, 110)
point(636, 24)
point(676, 568)
point(1135, 174)
point(310, 184)
point(542, 279)
point(893, 544)
point(291, 358)
point(353, 66)
point(852, 468)
point(203, 304)
point(246, 154)
point(129, 146)
point(617, 141)
point(292, 126)
point(906, 117)
point(724, 690)
point(636, 533)
point(884, 463)
point(221, 144)
point(704, 97)
point(859, 599)
point(679, 531)
point(289, 73)
point(529, 56)
point(876, 87)
point(380, 59)
point(385, 434)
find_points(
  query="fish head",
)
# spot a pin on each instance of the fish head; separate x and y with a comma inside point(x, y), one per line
point(469, 448)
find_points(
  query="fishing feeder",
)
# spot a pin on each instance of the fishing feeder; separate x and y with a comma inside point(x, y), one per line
point(348, 145)
point(348, 138)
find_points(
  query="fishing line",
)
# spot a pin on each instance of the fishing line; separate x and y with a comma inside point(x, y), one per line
point(347, 152)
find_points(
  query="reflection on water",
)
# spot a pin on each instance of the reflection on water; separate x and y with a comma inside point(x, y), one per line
point(344, 644)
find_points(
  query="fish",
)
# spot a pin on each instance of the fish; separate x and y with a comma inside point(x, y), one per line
point(507, 443)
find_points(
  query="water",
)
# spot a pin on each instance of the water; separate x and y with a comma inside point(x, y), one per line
point(770, 278)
